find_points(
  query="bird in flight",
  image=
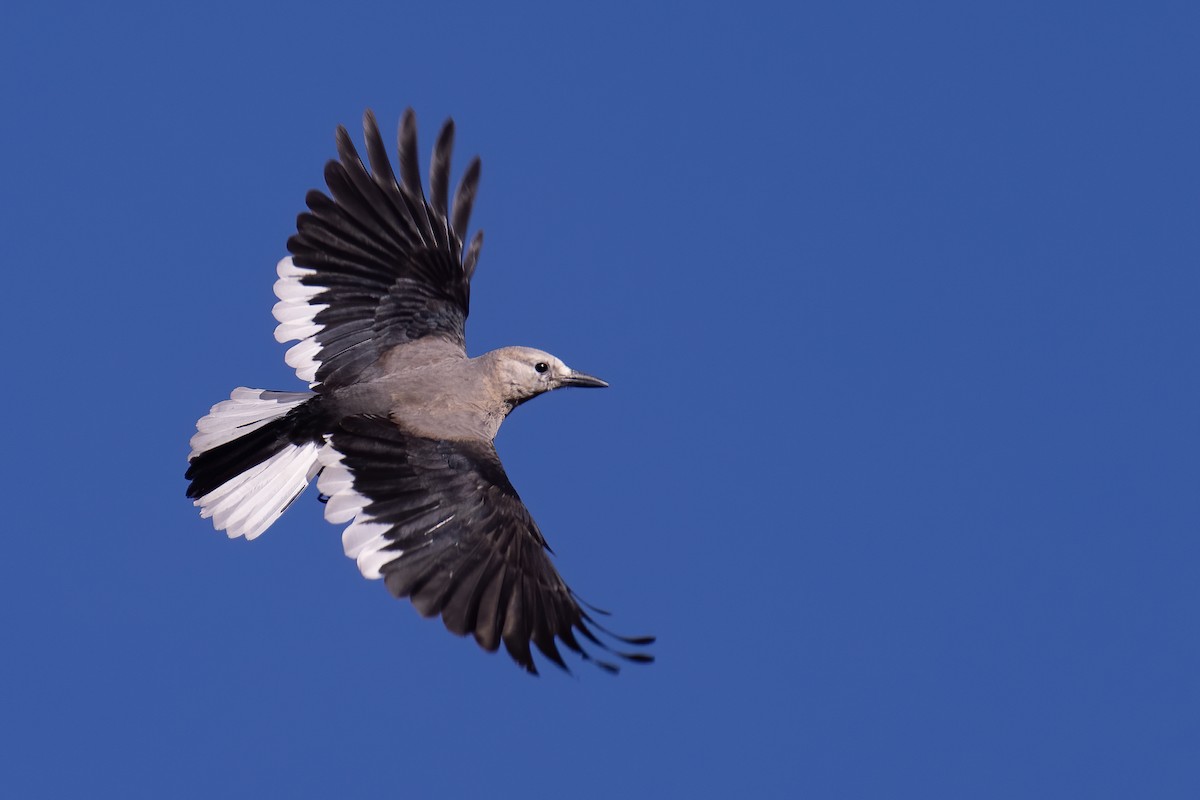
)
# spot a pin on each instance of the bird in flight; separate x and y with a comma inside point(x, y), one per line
point(398, 423)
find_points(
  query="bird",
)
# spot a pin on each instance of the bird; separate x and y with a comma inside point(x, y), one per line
point(397, 425)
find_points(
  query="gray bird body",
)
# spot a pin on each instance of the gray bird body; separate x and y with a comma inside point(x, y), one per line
point(432, 389)
point(398, 422)
point(428, 387)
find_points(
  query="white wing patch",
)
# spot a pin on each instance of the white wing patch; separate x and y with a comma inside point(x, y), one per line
point(365, 539)
point(295, 313)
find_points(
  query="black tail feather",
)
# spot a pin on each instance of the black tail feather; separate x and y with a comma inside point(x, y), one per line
point(209, 470)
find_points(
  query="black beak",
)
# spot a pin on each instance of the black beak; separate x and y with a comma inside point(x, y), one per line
point(583, 379)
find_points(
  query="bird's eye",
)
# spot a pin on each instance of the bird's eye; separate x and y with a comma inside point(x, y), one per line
point(541, 366)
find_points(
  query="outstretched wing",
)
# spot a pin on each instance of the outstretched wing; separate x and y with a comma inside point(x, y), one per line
point(441, 524)
point(376, 265)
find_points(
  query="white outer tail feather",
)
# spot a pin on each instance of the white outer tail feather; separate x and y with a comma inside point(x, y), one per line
point(249, 503)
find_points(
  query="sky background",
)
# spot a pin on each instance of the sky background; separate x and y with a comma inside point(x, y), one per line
point(899, 305)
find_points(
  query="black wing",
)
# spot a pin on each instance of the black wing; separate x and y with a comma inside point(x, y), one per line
point(441, 524)
point(376, 264)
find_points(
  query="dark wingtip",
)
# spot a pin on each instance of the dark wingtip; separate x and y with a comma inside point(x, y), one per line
point(345, 147)
point(464, 198)
point(551, 653)
point(610, 668)
point(439, 169)
point(472, 257)
point(526, 664)
point(636, 641)
point(333, 172)
point(381, 167)
point(410, 173)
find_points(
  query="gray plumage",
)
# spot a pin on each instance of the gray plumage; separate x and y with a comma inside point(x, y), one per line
point(399, 422)
point(430, 387)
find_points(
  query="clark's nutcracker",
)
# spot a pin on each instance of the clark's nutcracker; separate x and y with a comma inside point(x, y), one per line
point(398, 422)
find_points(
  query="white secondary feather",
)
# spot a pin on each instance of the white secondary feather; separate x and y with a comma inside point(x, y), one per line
point(295, 313)
point(303, 358)
point(245, 410)
point(248, 504)
point(365, 539)
point(374, 557)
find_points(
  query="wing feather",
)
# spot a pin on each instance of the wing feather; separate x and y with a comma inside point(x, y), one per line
point(375, 264)
point(439, 171)
point(440, 522)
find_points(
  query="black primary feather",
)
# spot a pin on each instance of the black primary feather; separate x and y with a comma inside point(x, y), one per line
point(464, 199)
point(439, 170)
point(391, 267)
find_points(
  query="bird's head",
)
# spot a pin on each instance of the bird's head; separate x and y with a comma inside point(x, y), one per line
point(524, 373)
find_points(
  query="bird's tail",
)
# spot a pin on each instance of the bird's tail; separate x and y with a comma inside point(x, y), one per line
point(252, 456)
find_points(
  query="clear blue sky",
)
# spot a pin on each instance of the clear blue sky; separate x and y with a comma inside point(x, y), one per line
point(899, 304)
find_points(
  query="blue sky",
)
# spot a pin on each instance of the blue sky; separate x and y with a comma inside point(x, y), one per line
point(899, 307)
